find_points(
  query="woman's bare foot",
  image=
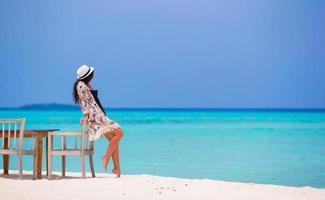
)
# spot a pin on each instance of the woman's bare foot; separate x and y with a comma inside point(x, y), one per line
point(117, 172)
point(105, 162)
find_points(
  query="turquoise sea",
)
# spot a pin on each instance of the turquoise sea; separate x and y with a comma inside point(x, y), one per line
point(262, 146)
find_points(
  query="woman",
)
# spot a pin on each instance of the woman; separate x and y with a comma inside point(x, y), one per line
point(99, 124)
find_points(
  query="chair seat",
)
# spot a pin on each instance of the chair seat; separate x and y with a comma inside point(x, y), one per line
point(29, 152)
point(14, 129)
point(13, 151)
point(84, 149)
point(71, 152)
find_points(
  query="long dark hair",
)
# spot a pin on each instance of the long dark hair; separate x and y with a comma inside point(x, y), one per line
point(86, 80)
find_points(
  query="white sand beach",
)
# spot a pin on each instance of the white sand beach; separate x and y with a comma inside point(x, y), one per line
point(145, 187)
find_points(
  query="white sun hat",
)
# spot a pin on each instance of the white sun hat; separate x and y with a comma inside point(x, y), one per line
point(84, 71)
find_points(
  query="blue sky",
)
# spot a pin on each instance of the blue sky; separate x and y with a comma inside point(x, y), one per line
point(164, 53)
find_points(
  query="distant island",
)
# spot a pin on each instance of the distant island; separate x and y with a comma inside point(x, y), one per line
point(44, 106)
point(51, 106)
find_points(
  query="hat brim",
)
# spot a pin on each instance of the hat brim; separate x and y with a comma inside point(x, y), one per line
point(90, 71)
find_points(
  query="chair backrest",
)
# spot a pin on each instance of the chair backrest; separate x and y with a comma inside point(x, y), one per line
point(11, 129)
point(85, 144)
point(85, 138)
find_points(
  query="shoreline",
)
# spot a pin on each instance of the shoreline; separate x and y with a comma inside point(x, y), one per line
point(143, 186)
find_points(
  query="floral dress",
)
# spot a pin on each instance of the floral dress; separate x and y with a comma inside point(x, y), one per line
point(98, 123)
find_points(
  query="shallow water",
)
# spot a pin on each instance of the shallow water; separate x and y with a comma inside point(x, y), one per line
point(286, 148)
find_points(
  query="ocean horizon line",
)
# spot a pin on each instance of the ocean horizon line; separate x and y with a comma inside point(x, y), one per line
point(71, 107)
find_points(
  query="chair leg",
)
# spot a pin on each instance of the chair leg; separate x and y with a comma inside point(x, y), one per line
point(63, 166)
point(49, 166)
point(82, 164)
point(34, 166)
point(91, 161)
point(20, 165)
point(49, 157)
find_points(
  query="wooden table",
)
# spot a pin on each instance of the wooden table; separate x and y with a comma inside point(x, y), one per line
point(40, 134)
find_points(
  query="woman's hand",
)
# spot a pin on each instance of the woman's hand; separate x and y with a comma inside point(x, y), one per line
point(84, 120)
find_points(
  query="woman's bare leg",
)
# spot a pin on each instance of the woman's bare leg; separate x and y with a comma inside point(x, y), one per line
point(116, 160)
point(117, 135)
point(115, 156)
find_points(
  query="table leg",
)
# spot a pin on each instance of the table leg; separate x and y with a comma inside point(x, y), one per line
point(39, 155)
point(5, 158)
point(47, 150)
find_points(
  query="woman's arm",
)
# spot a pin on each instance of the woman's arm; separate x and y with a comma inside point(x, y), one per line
point(84, 98)
point(84, 119)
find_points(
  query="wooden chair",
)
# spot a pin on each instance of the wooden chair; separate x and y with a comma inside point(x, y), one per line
point(9, 134)
point(87, 149)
